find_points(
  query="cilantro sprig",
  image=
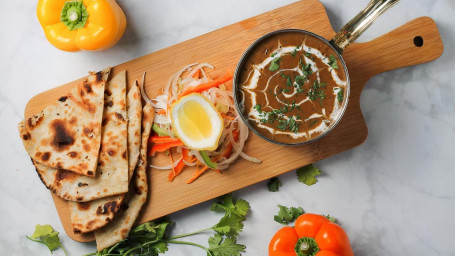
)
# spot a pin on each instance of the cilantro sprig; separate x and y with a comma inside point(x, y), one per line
point(46, 235)
point(150, 238)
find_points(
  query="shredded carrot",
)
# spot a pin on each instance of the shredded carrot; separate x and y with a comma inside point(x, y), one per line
point(216, 170)
point(162, 139)
point(187, 157)
point(178, 169)
point(172, 161)
point(227, 117)
point(161, 112)
point(197, 174)
point(202, 87)
point(196, 74)
point(228, 151)
point(163, 147)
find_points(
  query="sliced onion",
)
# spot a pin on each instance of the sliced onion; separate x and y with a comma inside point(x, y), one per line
point(141, 86)
point(167, 167)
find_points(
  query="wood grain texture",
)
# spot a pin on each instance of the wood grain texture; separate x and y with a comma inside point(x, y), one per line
point(223, 48)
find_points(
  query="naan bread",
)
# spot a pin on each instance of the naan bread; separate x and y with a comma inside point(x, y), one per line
point(66, 134)
point(108, 181)
point(134, 110)
point(119, 228)
point(113, 160)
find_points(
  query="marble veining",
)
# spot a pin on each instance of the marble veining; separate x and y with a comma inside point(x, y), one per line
point(394, 194)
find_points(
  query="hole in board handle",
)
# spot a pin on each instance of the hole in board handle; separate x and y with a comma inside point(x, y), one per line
point(418, 41)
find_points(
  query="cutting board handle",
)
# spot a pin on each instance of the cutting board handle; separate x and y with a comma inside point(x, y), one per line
point(415, 42)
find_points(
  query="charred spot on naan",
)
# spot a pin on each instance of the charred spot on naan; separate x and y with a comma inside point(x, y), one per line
point(63, 98)
point(108, 208)
point(45, 156)
point(87, 87)
point(34, 121)
point(62, 135)
point(26, 136)
point(83, 206)
point(109, 103)
point(73, 154)
point(99, 76)
point(120, 116)
point(64, 175)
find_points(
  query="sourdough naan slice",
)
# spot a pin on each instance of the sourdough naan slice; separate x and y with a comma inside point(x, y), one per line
point(66, 134)
point(108, 181)
point(113, 160)
point(119, 228)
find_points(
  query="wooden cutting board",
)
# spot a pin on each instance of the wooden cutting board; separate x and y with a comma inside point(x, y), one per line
point(223, 48)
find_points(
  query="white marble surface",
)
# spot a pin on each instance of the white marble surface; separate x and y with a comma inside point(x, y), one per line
point(394, 194)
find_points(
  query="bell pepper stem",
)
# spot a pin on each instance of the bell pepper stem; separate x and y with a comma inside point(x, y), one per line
point(306, 246)
point(74, 15)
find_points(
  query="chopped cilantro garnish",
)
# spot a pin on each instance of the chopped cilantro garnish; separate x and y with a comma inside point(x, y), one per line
point(300, 80)
point(273, 54)
point(293, 53)
point(258, 108)
point(333, 61)
point(290, 124)
point(340, 95)
point(275, 64)
point(317, 91)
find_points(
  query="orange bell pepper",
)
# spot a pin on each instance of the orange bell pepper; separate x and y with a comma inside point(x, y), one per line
point(81, 25)
point(313, 235)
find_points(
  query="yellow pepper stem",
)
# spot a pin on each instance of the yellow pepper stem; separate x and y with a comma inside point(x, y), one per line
point(74, 15)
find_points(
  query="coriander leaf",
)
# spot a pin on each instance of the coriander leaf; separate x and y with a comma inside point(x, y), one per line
point(287, 215)
point(239, 207)
point(274, 184)
point(275, 65)
point(219, 246)
point(46, 235)
point(307, 174)
point(235, 211)
point(333, 61)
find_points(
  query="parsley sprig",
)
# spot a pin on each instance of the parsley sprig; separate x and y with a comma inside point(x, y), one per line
point(150, 238)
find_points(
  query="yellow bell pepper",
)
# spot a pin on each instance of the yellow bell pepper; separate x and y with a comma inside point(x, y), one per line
point(81, 25)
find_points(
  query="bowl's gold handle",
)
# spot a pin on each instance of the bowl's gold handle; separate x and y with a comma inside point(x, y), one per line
point(355, 27)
